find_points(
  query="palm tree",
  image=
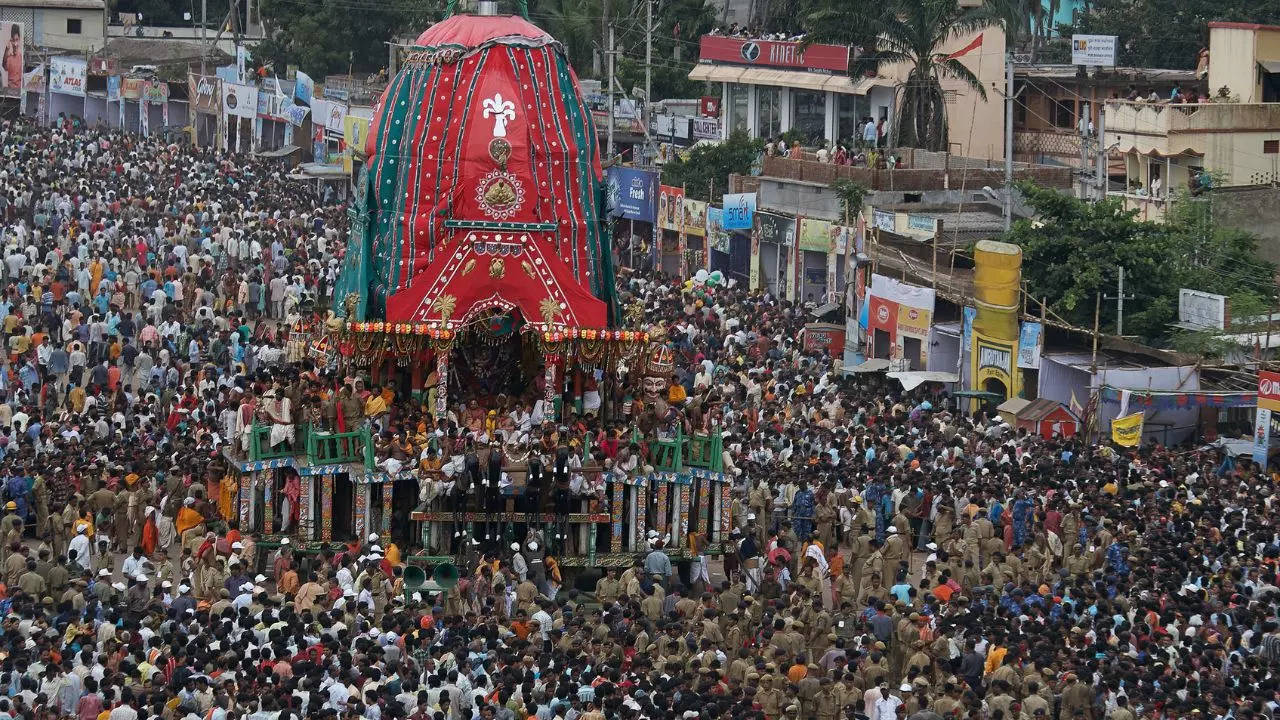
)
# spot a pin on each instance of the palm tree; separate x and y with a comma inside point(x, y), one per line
point(913, 33)
point(576, 24)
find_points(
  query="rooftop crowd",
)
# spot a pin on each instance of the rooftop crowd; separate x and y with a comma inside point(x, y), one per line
point(891, 558)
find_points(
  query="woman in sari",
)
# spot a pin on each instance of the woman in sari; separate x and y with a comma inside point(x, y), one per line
point(190, 523)
point(150, 533)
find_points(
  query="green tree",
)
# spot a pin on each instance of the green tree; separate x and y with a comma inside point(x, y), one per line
point(325, 37)
point(704, 173)
point(1072, 251)
point(911, 32)
point(576, 24)
point(1166, 33)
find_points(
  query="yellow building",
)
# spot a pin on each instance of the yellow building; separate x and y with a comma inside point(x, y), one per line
point(1235, 138)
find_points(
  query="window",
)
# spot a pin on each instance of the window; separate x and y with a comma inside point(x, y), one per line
point(1064, 115)
point(73, 26)
point(1271, 147)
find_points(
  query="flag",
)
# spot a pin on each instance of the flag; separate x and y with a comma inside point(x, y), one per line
point(977, 43)
point(1076, 408)
point(1127, 431)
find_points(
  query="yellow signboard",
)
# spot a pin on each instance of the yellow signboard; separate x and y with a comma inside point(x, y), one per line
point(355, 130)
point(1127, 431)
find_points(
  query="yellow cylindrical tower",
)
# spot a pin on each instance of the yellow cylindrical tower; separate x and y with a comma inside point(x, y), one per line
point(997, 279)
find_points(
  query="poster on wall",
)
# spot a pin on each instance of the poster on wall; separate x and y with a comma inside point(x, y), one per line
point(131, 88)
point(11, 81)
point(670, 203)
point(992, 365)
point(113, 88)
point(155, 92)
point(902, 311)
point(67, 75)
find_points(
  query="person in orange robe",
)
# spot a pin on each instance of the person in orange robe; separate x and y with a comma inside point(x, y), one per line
point(150, 533)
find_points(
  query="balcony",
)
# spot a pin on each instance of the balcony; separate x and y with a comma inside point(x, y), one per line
point(1037, 145)
point(1174, 129)
point(1147, 207)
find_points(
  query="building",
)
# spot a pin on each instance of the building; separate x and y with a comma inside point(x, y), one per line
point(769, 87)
point(77, 25)
point(1058, 104)
point(1235, 139)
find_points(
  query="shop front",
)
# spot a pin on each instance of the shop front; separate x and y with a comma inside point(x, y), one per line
point(68, 78)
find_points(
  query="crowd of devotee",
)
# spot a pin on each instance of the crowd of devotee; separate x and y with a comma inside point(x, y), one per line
point(893, 555)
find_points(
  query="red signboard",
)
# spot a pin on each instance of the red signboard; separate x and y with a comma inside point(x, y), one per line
point(774, 53)
point(1269, 390)
point(709, 106)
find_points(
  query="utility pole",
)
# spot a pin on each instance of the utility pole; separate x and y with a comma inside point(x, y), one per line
point(1086, 143)
point(204, 34)
point(1120, 297)
point(609, 146)
point(648, 58)
point(1102, 154)
point(1008, 141)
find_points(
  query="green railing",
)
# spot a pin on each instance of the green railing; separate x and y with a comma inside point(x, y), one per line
point(336, 448)
point(260, 442)
point(674, 452)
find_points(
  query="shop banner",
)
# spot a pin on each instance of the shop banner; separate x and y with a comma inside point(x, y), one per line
point(1029, 345)
point(296, 114)
point(131, 88)
point(777, 229)
point(739, 211)
point(113, 88)
point(914, 321)
point(271, 104)
point(815, 235)
point(1269, 390)
point(633, 193)
point(304, 88)
point(695, 218)
point(333, 117)
point(753, 270)
point(670, 202)
point(204, 94)
point(355, 130)
point(156, 92)
point(1262, 436)
point(717, 237)
point(1127, 431)
point(239, 100)
point(11, 80)
point(67, 75)
point(34, 80)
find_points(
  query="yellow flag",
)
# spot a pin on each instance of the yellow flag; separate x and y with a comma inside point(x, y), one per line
point(1127, 431)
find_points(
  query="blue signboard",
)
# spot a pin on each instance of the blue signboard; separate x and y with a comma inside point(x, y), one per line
point(739, 211)
point(633, 193)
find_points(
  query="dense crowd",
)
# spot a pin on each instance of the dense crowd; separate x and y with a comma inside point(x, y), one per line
point(893, 555)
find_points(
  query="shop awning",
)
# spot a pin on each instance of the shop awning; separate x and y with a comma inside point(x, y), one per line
point(872, 365)
point(913, 379)
point(796, 79)
point(285, 151)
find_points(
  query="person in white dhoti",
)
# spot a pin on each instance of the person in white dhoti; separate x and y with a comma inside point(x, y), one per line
point(279, 412)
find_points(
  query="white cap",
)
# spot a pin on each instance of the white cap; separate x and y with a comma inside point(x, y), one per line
point(260, 578)
point(373, 537)
point(284, 541)
point(166, 583)
point(515, 546)
point(892, 529)
point(118, 585)
point(246, 586)
point(184, 588)
point(751, 516)
point(237, 545)
point(375, 549)
point(141, 578)
point(906, 687)
point(533, 546)
point(104, 573)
